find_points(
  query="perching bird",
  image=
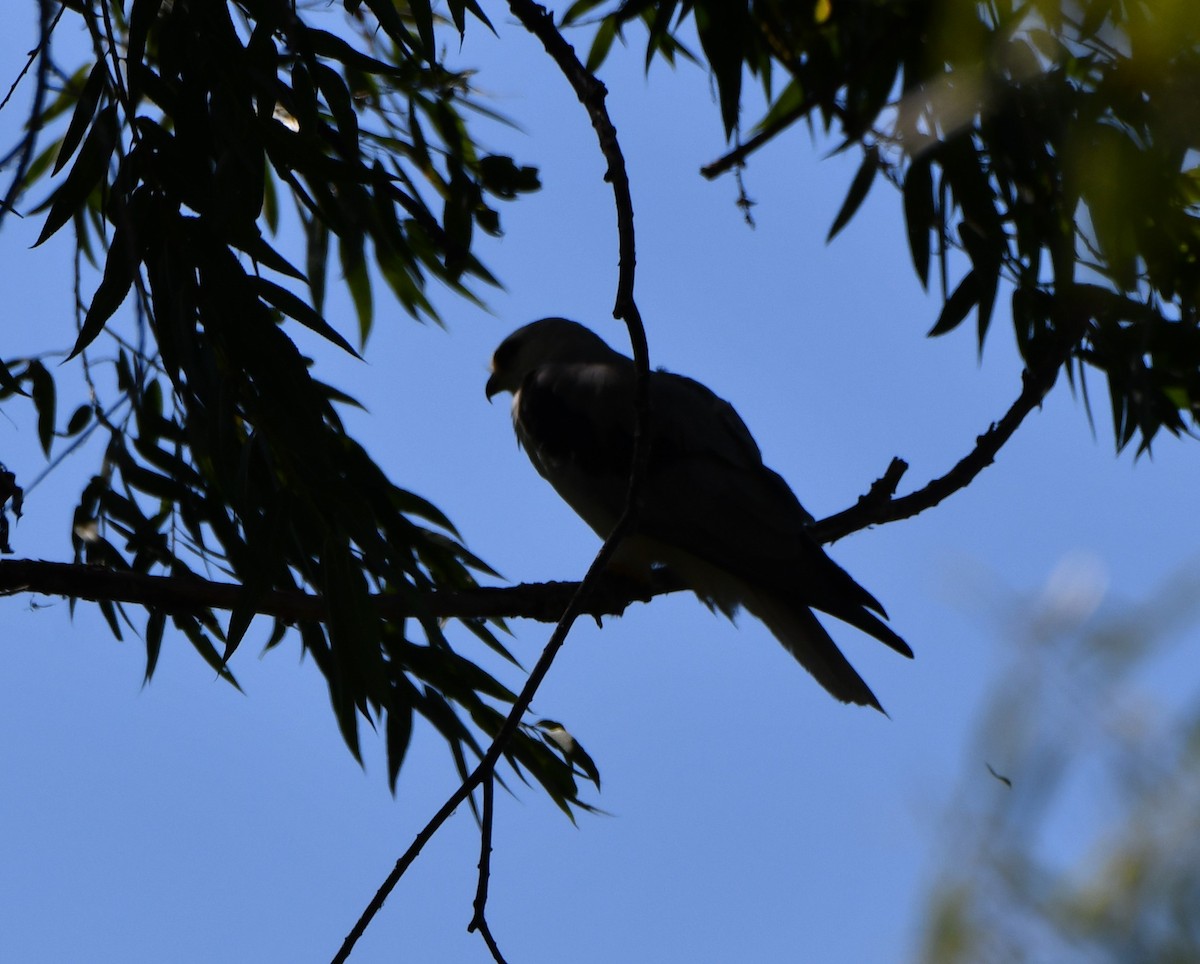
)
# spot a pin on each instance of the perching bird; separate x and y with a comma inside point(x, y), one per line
point(710, 511)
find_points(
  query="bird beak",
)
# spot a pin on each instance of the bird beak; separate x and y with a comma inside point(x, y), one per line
point(493, 386)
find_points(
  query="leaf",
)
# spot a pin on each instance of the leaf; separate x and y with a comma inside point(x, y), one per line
point(578, 9)
point(142, 15)
point(474, 7)
point(399, 728)
point(239, 621)
point(358, 281)
point(458, 223)
point(87, 172)
point(85, 110)
point(601, 44)
point(108, 609)
point(79, 420)
point(422, 13)
point(110, 293)
point(316, 259)
point(294, 307)
point(9, 383)
point(857, 193)
point(326, 44)
point(262, 252)
point(988, 285)
point(44, 399)
point(918, 214)
point(964, 298)
point(154, 635)
point(341, 105)
point(392, 24)
point(722, 30)
point(1094, 15)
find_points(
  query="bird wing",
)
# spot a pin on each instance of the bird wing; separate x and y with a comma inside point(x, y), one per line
point(706, 492)
point(710, 508)
point(713, 496)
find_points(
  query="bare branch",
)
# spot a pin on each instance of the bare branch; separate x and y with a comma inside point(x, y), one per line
point(544, 602)
point(487, 763)
point(737, 157)
point(881, 505)
point(591, 93)
point(479, 921)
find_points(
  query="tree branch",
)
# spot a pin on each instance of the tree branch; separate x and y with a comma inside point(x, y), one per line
point(544, 602)
point(881, 505)
point(479, 920)
point(737, 157)
point(591, 93)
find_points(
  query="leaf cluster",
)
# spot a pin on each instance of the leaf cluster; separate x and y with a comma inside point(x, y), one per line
point(176, 148)
point(1055, 145)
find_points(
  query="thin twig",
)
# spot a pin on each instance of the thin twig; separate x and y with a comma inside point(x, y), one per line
point(737, 157)
point(488, 761)
point(880, 504)
point(41, 53)
point(46, 28)
point(479, 920)
point(591, 94)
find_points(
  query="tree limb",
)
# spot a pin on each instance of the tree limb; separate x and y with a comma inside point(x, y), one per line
point(881, 505)
point(737, 157)
point(479, 920)
point(544, 602)
point(591, 93)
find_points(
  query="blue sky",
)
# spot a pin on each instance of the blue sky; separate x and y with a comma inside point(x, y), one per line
point(750, 816)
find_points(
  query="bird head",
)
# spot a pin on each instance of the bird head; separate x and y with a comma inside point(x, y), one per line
point(541, 343)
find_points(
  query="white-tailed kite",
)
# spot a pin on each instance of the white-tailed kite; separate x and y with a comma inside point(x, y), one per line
point(710, 511)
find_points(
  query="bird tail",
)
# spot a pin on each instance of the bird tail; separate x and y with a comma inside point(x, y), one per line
point(805, 638)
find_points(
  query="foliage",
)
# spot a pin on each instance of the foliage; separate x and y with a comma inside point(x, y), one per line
point(173, 148)
point(1043, 150)
point(1071, 735)
point(1054, 144)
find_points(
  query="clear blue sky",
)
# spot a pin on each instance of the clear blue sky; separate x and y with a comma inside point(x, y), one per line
point(750, 817)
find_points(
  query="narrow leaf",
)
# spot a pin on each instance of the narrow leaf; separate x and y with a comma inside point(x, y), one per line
point(601, 44)
point(857, 193)
point(9, 383)
point(239, 622)
point(110, 293)
point(399, 729)
point(294, 307)
point(154, 635)
point(918, 214)
point(44, 399)
point(85, 110)
point(84, 176)
point(964, 298)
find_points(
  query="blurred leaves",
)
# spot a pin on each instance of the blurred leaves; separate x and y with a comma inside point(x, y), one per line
point(1051, 144)
point(1087, 851)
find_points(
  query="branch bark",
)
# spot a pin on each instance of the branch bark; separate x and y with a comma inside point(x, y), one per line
point(544, 602)
point(881, 504)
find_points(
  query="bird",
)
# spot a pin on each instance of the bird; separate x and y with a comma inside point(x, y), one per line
point(710, 512)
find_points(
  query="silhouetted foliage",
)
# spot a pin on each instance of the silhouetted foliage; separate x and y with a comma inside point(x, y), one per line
point(1046, 152)
point(1055, 144)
